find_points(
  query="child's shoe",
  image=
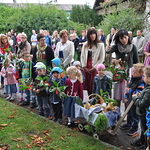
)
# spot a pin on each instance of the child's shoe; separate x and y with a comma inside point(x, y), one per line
point(69, 124)
point(132, 132)
point(12, 99)
point(20, 99)
point(24, 103)
point(8, 98)
point(124, 127)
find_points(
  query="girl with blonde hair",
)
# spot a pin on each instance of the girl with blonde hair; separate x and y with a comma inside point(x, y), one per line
point(74, 90)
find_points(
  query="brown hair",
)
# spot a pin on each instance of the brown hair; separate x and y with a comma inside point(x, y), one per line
point(89, 41)
point(147, 71)
point(63, 32)
point(139, 67)
point(3, 36)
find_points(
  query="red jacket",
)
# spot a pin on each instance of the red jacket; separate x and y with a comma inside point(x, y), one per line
point(74, 89)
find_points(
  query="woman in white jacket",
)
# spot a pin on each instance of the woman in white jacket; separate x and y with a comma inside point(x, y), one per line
point(92, 54)
point(64, 49)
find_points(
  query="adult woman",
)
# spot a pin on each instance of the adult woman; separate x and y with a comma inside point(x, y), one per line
point(92, 54)
point(23, 46)
point(55, 39)
point(127, 52)
point(124, 49)
point(42, 52)
point(101, 36)
point(65, 49)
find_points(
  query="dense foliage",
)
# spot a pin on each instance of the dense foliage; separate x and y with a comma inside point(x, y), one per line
point(85, 15)
point(32, 16)
point(126, 18)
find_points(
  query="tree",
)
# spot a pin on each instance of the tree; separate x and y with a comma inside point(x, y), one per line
point(126, 18)
point(32, 16)
point(85, 15)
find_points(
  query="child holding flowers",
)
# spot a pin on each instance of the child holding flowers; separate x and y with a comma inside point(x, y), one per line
point(40, 89)
point(74, 90)
point(55, 98)
point(8, 72)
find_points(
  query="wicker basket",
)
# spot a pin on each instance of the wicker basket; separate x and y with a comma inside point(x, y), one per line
point(101, 99)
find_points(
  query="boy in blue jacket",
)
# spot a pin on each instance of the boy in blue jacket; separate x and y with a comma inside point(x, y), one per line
point(54, 98)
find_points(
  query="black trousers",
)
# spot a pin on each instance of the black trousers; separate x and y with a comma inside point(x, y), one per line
point(57, 109)
point(143, 137)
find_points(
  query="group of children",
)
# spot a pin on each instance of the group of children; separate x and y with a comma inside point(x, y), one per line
point(138, 90)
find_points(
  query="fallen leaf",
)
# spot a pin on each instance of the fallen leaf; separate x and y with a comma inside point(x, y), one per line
point(114, 141)
point(3, 125)
point(135, 135)
point(28, 146)
point(18, 139)
point(49, 139)
point(68, 134)
point(18, 146)
point(74, 135)
point(63, 138)
point(1, 128)
point(128, 148)
point(46, 131)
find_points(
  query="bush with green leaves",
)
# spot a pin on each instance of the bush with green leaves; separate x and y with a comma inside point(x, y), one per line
point(126, 18)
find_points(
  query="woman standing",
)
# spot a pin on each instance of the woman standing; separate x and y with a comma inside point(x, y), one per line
point(92, 54)
point(101, 36)
point(42, 52)
point(55, 39)
point(23, 46)
point(127, 52)
point(65, 49)
point(124, 49)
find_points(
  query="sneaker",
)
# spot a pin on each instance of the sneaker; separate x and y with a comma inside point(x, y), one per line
point(140, 148)
point(132, 132)
point(24, 103)
point(8, 98)
point(138, 142)
point(33, 105)
point(69, 124)
point(59, 120)
point(124, 127)
point(12, 99)
point(55, 119)
point(20, 99)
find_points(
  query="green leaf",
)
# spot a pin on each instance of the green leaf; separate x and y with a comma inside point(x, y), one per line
point(52, 90)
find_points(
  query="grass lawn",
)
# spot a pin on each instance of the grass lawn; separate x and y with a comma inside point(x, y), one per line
point(21, 129)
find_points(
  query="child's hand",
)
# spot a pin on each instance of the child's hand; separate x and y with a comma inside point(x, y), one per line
point(125, 100)
point(37, 91)
point(34, 90)
point(134, 95)
point(127, 89)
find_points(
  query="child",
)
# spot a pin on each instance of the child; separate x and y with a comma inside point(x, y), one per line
point(74, 90)
point(136, 85)
point(54, 98)
point(77, 64)
point(101, 81)
point(27, 71)
point(120, 84)
point(142, 102)
point(8, 72)
point(40, 90)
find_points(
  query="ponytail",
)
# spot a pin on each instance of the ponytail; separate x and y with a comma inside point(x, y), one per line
point(73, 69)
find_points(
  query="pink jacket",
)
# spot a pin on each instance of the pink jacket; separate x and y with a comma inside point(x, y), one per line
point(10, 79)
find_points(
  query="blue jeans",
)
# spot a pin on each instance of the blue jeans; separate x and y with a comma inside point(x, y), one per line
point(43, 101)
point(132, 118)
point(30, 96)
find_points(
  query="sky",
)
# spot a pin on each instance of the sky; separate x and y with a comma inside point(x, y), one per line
point(91, 2)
